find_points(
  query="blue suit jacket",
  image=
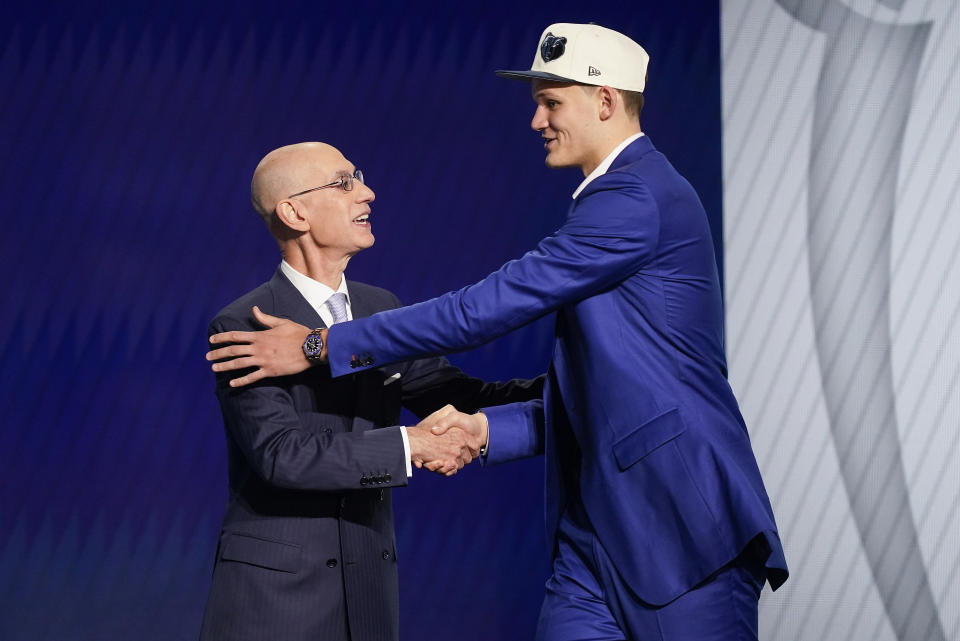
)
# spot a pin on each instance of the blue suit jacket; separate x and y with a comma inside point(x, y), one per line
point(307, 546)
point(637, 415)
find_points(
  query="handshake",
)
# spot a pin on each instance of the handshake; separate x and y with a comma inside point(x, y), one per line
point(447, 440)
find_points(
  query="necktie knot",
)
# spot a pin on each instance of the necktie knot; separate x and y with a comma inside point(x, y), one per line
point(338, 307)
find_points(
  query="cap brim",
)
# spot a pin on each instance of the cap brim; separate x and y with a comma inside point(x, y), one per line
point(533, 75)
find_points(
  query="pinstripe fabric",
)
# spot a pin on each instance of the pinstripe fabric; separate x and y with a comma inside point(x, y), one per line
point(307, 549)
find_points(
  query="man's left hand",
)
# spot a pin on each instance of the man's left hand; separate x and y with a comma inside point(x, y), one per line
point(276, 351)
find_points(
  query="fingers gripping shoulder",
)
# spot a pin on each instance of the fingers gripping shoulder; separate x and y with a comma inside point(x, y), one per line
point(240, 318)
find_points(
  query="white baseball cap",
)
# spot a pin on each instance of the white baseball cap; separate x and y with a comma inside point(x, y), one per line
point(587, 54)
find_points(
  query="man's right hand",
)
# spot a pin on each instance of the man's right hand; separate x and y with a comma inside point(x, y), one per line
point(474, 425)
point(275, 351)
point(444, 453)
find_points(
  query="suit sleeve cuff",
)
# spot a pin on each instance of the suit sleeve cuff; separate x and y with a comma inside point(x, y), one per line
point(512, 432)
point(342, 362)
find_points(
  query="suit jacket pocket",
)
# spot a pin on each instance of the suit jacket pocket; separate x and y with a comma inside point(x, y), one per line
point(274, 555)
point(649, 436)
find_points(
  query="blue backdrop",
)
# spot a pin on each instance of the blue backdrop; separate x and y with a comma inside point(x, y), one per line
point(129, 135)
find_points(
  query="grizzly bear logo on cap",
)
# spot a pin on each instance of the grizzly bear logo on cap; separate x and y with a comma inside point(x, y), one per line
point(552, 47)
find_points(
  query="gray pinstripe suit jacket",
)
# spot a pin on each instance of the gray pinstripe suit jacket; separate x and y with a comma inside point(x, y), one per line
point(307, 548)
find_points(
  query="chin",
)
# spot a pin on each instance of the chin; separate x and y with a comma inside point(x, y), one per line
point(555, 162)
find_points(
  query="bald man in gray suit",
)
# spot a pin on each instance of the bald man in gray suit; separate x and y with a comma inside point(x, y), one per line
point(307, 550)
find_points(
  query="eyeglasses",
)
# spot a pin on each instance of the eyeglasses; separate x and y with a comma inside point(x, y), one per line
point(343, 182)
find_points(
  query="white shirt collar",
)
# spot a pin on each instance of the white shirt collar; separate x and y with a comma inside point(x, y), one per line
point(314, 291)
point(605, 164)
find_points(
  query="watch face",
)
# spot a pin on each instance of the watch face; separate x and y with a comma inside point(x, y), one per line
point(313, 345)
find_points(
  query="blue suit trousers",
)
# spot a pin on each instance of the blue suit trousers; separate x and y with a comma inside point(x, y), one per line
point(586, 599)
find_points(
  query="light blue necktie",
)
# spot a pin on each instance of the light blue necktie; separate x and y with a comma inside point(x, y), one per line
point(338, 307)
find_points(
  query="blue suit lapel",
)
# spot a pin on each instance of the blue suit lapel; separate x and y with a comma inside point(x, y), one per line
point(559, 395)
point(634, 152)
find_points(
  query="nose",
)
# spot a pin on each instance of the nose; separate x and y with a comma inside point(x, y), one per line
point(365, 194)
point(539, 122)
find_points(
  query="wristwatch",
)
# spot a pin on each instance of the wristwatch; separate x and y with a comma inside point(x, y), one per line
point(313, 345)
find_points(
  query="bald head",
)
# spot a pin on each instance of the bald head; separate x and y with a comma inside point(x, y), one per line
point(290, 169)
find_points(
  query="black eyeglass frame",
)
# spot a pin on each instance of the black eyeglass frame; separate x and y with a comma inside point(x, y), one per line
point(344, 182)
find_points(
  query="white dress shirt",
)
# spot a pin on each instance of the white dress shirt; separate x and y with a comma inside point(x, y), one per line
point(605, 165)
point(317, 294)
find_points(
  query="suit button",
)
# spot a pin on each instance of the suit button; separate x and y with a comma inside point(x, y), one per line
point(327, 430)
point(387, 477)
point(364, 480)
point(386, 555)
point(332, 563)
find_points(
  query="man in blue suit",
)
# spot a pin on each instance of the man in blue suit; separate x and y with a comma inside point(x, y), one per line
point(307, 548)
point(661, 527)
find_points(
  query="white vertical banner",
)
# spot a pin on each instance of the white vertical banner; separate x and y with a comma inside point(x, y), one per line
point(842, 245)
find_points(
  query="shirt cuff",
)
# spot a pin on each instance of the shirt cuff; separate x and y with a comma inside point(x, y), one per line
point(486, 446)
point(406, 450)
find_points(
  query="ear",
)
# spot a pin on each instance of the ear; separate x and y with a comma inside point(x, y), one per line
point(290, 215)
point(610, 102)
